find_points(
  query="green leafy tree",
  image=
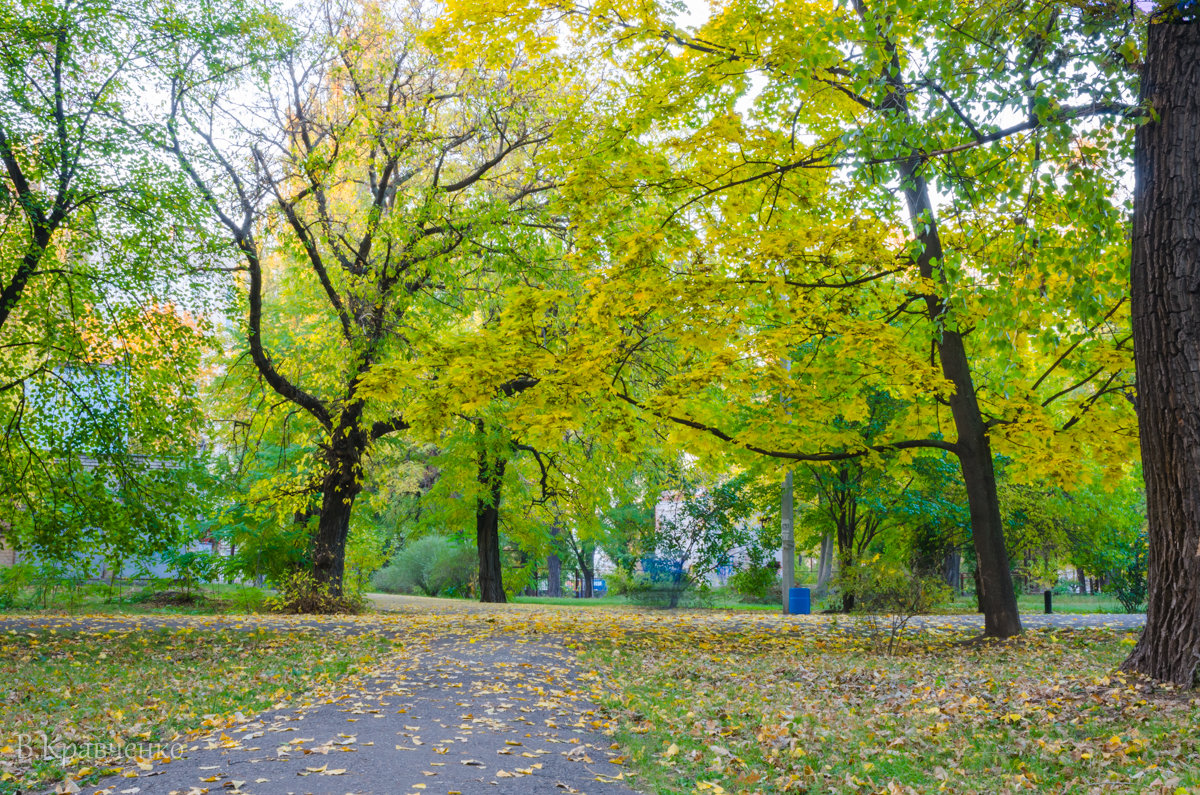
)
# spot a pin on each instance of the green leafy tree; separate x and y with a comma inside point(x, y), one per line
point(388, 179)
point(102, 292)
point(770, 177)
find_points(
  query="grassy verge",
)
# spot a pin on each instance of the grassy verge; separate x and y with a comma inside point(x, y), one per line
point(145, 686)
point(124, 598)
point(764, 711)
point(964, 605)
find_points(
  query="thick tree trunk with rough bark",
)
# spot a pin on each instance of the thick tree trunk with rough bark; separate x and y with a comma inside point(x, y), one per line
point(554, 567)
point(1166, 338)
point(487, 526)
point(339, 488)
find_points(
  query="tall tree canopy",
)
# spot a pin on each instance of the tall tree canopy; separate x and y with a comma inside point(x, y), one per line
point(102, 287)
point(914, 197)
point(390, 186)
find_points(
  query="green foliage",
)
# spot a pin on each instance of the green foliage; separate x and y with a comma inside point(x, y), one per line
point(103, 268)
point(889, 595)
point(881, 587)
point(13, 580)
point(432, 565)
point(193, 567)
point(1127, 572)
point(298, 592)
point(755, 583)
point(704, 520)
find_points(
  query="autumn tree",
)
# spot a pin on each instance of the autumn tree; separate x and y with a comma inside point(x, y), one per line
point(1166, 270)
point(916, 193)
point(384, 176)
point(103, 289)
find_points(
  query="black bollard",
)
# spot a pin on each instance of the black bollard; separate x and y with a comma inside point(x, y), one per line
point(1049, 608)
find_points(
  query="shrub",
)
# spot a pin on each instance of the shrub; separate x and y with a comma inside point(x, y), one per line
point(619, 583)
point(13, 579)
point(192, 567)
point(298, 592)
point(431, 565)
point(1127, 575)
point(754, 584)
point(890, 595)
point(665, 584)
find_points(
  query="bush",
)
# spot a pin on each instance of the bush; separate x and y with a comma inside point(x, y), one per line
point(299, 592)
point(754, 584)
point(13, 579)
point(432, 565)
point(665, 584)
point(619, 583)
point(1127, 576)
point(192, 567)
point(892, 592)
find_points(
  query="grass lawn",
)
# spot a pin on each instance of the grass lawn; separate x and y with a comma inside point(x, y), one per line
point(701, 708)
point(1028, 603)
point(126, 598)
point(145, 686)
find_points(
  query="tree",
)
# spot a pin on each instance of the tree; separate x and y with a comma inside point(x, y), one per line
point(102, 291)
point(802, 212)
point(1166, 317)
point(385, 177)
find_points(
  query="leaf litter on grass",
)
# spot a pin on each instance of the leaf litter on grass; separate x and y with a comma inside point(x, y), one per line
point(707, 702)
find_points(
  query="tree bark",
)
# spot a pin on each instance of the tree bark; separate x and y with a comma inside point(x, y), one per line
point(585, 557)
point(825, 565)
point(487, 525)
point(554, 567)
point(553, 576)
point(339, 488)
point(1001, 618)
point(997, 598)
point(952, 569)
point(1166, 341)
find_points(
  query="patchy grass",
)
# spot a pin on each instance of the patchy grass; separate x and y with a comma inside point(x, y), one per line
point(722, 599)
point(147, 686)
point(764, 710)
point(1033, 603)
point(126, 598)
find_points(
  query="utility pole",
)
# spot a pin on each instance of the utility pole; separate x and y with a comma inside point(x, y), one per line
point(788, 530)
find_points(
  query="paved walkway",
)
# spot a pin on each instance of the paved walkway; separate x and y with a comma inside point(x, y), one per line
point(496, 715)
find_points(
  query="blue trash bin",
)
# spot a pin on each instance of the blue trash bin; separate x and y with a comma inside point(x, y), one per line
point(799, 601)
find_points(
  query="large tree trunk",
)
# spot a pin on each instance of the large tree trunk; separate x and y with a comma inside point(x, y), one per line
point(585, 558)
point(554, 567)
point(487, 526)
point(1166, 341)
point(998, 599)
point(339, 488)
point(1001, 618)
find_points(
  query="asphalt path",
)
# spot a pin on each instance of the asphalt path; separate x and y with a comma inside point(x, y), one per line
point(458, 713)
